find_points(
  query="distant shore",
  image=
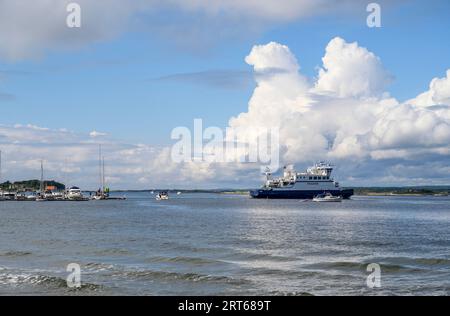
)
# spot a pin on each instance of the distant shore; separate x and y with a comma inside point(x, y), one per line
point(363, 191)
point(33, 185)
point(404, 191)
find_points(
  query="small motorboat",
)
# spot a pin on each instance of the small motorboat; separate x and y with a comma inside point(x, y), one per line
point(41, 198)
point(327, 197)
point(26, 196)
point(162, 196)
point(75, 194)
point(8, 196)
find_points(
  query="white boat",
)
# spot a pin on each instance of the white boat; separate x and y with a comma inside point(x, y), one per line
point(30, 196)
point(162, 196)
point(103, 192)
point(58, 196)
point(98, 197)
point(8, 196)
point(26, 196)
point(75, 194)
point(40, 198)
point(327, 197)
point(53, 195)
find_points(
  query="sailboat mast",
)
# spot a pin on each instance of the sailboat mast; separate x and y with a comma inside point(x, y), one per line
point(103, 174)
point(41, 186)
point(65, 175)
point(100, 167)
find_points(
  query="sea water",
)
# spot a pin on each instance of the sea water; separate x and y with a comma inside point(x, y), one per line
point(216, 244)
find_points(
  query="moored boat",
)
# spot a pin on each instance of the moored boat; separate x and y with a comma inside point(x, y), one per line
point(9, 196)
point(41, 198)
point(26, 196)
point(50, 195)
point(75, 194)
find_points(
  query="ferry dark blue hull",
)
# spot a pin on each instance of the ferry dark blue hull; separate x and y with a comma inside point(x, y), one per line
point(293, 194)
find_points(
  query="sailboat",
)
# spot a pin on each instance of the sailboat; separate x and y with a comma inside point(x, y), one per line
point(41, 195)
point(103, 192)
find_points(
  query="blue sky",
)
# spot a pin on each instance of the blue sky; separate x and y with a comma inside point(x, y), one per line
point(139, 81)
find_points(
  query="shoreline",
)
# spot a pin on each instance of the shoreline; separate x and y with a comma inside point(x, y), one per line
point(436, 191)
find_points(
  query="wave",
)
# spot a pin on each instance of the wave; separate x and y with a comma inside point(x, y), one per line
point(97, 267)
point(175, 276)
point(290, 273)
point(186, 260)
point(433, 261)
point(112, 251)
point(367, 243)
point(186, 247)
point(18, 279)
point(260, 256)
point(417, 262)
point(15, 253)
point(286, 293)
point(362, 266)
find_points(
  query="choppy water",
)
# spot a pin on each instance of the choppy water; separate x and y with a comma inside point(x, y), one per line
point(209, 244)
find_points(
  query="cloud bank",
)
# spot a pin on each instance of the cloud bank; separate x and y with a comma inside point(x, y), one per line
point(72, 158)
point(29, 29)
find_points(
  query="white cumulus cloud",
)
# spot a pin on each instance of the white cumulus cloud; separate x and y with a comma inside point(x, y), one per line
point(438, 94)
point(350, 70)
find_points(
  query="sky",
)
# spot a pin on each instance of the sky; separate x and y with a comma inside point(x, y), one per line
point(373, 101)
